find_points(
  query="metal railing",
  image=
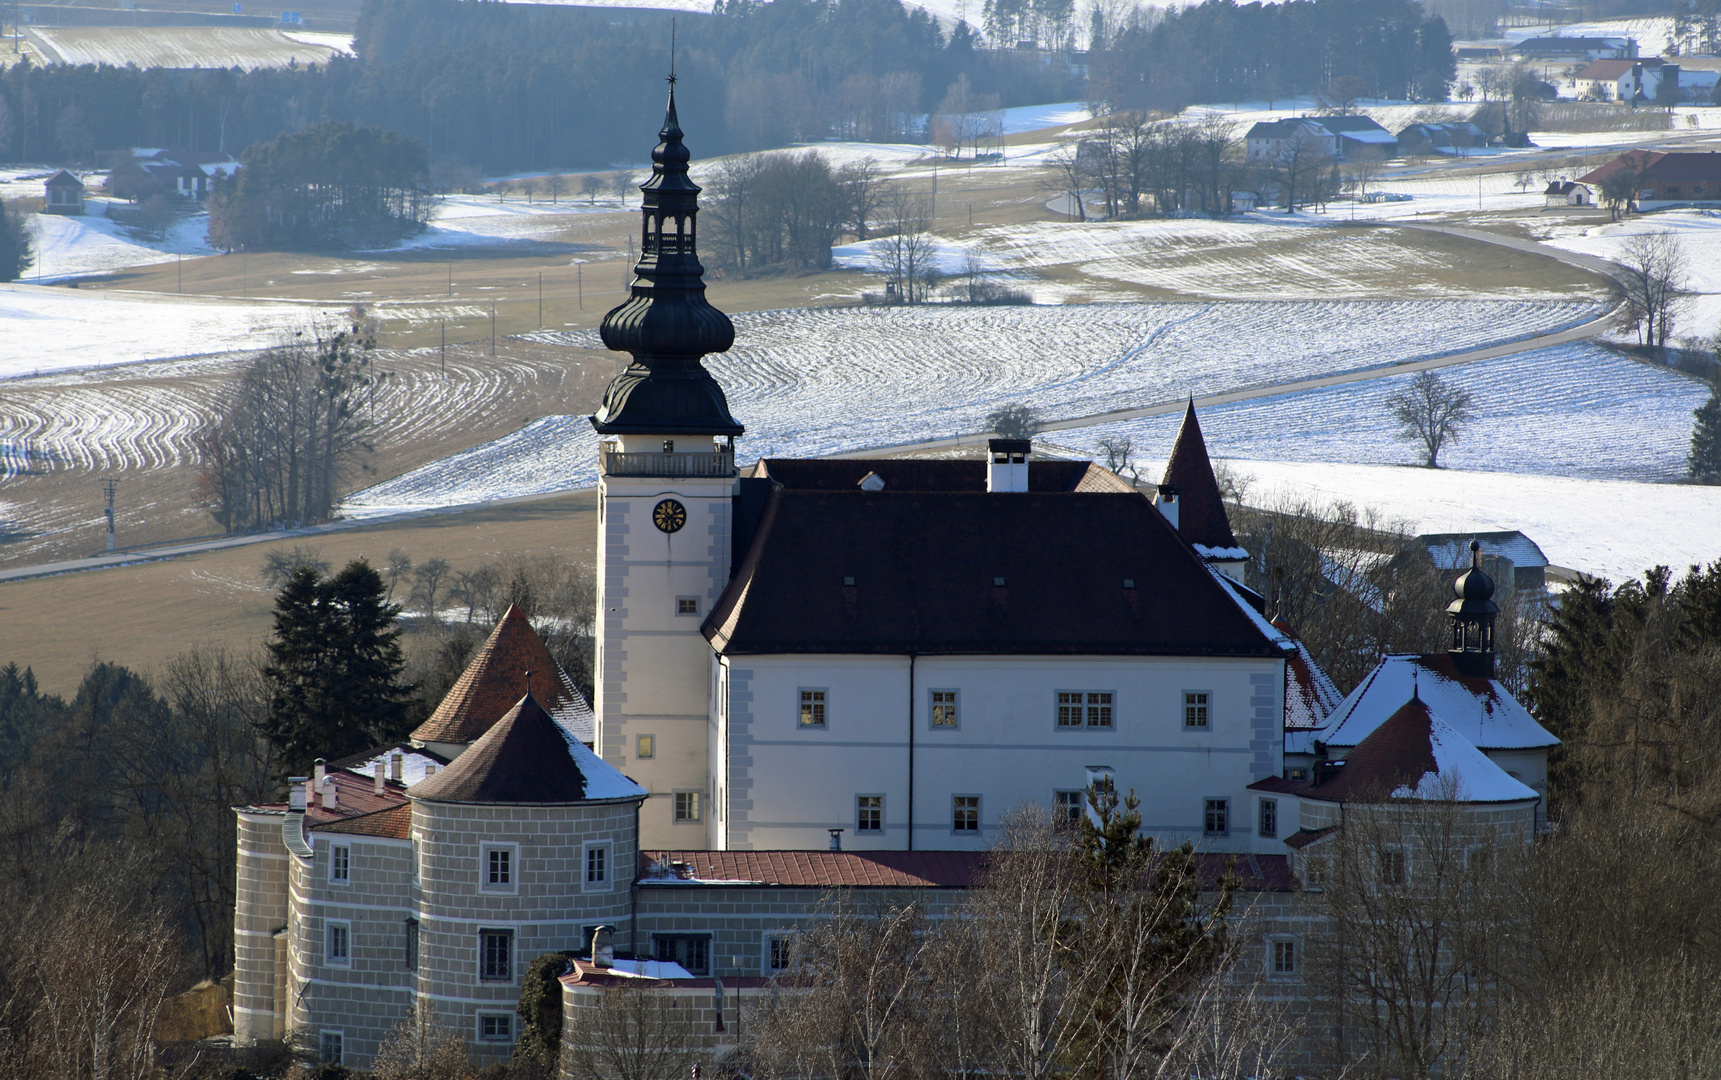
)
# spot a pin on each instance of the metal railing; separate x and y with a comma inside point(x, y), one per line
point(617, 463)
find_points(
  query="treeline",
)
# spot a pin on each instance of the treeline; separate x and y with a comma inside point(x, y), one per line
point(1220, 51)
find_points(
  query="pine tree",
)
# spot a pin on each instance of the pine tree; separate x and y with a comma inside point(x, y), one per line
point(334, 665)
point(15, 254)
point(1705, 461)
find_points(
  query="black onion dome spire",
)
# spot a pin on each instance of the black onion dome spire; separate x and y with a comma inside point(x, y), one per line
point(666, 322)
point(1472, 615)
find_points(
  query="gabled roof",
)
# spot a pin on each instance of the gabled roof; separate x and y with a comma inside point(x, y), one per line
point(1414, 754)
point(1480, 709)
point(496, 678)
point(1608, 70)
point(63, 179)
point(527, 757)
point(1562, 46)
point(1560, 187)
point(1451, 551)
point(394, 823)
point(1354, 127)
point(415, 763)
point(1657, 166)
point(1310, 696)
point(1201, 515)
point(975, 573)
point(1282, 129)
point(930, 474)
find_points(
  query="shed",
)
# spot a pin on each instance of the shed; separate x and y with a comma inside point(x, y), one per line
point(65, 194)
point(1567, 193)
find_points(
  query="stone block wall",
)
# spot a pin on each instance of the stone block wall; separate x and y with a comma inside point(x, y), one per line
point(260, 911)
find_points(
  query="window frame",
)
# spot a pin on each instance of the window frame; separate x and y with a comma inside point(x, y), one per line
point(507, 932)
point(775, 945)
point(657, 941)
point(692, 797)
point(344, 928)
point(1086, 706)
point(644, 747)
point(957, 809)
point(861, 813)
point(682, 602)
point(605, 850)
point(340, 864)
point(485, 853)
point(1205, 707)
point(821, 708)
point(1284, 958)
point(479, 1037)
point(412, 941)
point(339, 1037)
point(934, 707)
point(1223, 805)
point(1069, 811)
point(1395, 857)
point(1267, 818)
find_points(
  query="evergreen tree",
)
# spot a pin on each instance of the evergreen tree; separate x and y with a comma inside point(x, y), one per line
point(334, 666)
point(1705, 461)
point(15, 254)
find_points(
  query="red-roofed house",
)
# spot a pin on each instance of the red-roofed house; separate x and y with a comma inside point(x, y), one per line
point(1666, 179)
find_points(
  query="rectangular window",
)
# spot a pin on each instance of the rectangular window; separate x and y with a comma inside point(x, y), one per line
point(812, 708)
point(965, 813)
point(686, 806)
point(691, 951)
point(778, 953)
point(869, 813)
point(1218, 821)
point(1195, 710)
point(1284, 958)
point(1269, 823)
point(1315, 871)
point(944, 708)
point(412, 944)
point(687, 605)
point(338, 944)
point(340, 863)
point(645, 746)
point(1070, 805)
point(496, 955)
point(597, 865)
point(331, 1047)
point(1084, 709)
point(495, 1027)
point(1392, 866)
point(496, 872)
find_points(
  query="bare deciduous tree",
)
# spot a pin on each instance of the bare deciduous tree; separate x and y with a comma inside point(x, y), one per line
point(1119, 451)
point(427, 579)
point(1650, 288)
point(1431, 411)
point(629, 1033)
point(422, 1047)
point(1070, 177)
point(908, 252)
point(1014, 422)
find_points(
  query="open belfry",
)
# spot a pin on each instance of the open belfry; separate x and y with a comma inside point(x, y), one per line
point(831, 674)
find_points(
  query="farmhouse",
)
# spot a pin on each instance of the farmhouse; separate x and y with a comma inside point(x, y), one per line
point(1667, 179)
point(65, 194)
point(1562, 193)
point(179, 175)
point(1447, 138)
point(1618, 80)
point(1346, 138)
point(1574, 50)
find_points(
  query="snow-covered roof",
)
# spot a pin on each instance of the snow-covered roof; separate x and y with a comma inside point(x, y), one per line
point(1480, 709)
point(1223, 554)
point(1274, 634)
point(1462, 772)
point(1451, 551)
point(1414, 754)
point(415, 764)
point(1367, 136)
point(1310, 696)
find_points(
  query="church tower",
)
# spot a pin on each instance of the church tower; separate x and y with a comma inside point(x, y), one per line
point(1472, 616)
point(666, 481)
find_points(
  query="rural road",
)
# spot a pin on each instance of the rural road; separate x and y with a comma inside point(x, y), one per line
point(1559, 337)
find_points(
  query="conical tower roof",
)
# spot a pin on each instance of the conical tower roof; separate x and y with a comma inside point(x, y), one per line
point(1201, 509)
point(496, 678)
point(666, 322)
point(526, 757)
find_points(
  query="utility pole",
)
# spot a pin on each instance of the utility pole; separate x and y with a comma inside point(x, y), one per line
point(445, 348)
point(181, 259)
point(580, 277)
point(450, 279)
point(108, 486)
point(492, 328)
point(540, 299)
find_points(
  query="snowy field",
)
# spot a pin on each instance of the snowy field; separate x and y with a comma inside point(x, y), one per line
point(1699, 233)
point(1611, 528)
point(900, 375)
point(1573, 410)
point(45, 329)
point(485, 221)
point(69, 247)
point(187, 46)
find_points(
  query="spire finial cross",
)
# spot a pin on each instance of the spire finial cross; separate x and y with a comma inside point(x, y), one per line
point(672, 52)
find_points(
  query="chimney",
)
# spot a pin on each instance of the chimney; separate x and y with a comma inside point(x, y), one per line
point(379, 787)
point(321, 772)
point(1007, 464)
point(430, 770)
point(1167, 503)
point(331, 797)
point(396, 766)
point(296, 794)
point(603, 947)
point(836, 839)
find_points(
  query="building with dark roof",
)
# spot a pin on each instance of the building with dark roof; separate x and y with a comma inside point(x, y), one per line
point(64, 194)
point(1667, 179)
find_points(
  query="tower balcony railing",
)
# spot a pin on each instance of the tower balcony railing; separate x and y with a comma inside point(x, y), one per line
point(619, 463)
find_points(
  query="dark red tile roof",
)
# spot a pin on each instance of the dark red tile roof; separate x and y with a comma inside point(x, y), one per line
point(1200, 508)
point(931, 474)
point(1302, 838)
point(394, 822)
point(926, 569)
point(496, 679)
point(896, 869)
point(525, 757)
point(1396, 753)
point(1659, 166)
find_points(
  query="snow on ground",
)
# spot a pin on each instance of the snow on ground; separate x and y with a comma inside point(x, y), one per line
point(1612, 528)
point(337, 42)
point(481, 220)
point(187, 46)
point(47, 329)
point(1699, 233)
point(1577, 410)
point(1025, 118)
point(1652, 31)
point(69, 247)
point(898, 375)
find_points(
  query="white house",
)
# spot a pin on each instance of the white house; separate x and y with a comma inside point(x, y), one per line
point(1563, 193)
point(1617, 80)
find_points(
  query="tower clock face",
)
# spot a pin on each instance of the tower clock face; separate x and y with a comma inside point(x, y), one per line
point(669, 515)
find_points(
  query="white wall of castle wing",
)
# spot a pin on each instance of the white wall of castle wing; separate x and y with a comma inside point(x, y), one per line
point(260, 910)
point(653, 663)
point(783, 786)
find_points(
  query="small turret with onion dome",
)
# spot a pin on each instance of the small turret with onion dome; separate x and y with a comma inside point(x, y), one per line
point(1472, 616)
point(666, 322)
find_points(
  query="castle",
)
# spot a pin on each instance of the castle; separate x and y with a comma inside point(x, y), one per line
point(820, 674)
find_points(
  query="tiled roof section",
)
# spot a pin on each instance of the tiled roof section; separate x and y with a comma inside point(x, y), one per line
point(814, 869)
point(394, 823)
point(1302, 838)
point(1310, 696)
point(62, 179)
point(930, 474)
point(1658, 166)
point(1200, 510)
point(975, 573)
point(1480, 709)
point(354, 796)
point(526, 757)
point(416, 762)
point(1416, 755)
point(495, 680)
point(1606, 69)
